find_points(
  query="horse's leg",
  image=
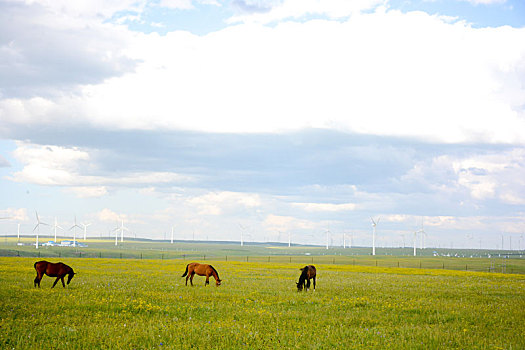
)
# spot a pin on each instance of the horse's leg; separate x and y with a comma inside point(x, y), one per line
point(207, 280)
point(38, 278)
point(191, 278)
point(187, 276)
point(62, 279)
point(314, 283)
point(56, 282)
point(307, 283)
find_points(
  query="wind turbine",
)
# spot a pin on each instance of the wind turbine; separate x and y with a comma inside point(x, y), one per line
point(37, 228)
point(289, 239)
point(374, 224)
point(415, 242)
point(242, 234)
point(74, 227)
point(423, 233)
point(172, 227)
point(327, 238)
point(55, 226)
point(121, 228)
point(85, 227)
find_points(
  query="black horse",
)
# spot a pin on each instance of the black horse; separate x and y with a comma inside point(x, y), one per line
point(308, 272)
point(58, 270)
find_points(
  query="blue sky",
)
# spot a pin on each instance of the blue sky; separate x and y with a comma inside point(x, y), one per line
point(282, 117)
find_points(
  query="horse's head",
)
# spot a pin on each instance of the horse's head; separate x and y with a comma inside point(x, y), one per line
point(299, 286)
point(70, 276)
point(218, 282)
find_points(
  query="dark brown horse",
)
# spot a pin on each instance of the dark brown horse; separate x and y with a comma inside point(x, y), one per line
point(308, 272)
point(58, 270)
point(201, 270)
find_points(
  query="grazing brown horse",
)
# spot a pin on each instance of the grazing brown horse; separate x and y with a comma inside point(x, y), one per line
point(308, 272)
point(201, 270)
point(58, 270)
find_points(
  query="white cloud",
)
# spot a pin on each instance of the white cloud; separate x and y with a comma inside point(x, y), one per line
point(67, 11)
point(513, 198)
point(488, 176)
point(185, 4)
point(89, 192)
point(384, 73)
point(60, 166)
point(107, 215)
point(415, 221)
point(177, 4)
point(287, 223)
point(49, 48)
point(4, 162)
point(48, 165)
point(378, 71)
point(296, 9)
point(485, 2)
point(217, 203)
point(499, 176)
point(15, 214)
point(399, 218)
point(325, 207)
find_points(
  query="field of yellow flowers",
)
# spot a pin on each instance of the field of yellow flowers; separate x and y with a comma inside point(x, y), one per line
point(144, 304)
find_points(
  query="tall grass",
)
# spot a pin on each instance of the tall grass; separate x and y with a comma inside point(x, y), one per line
point(144, 304)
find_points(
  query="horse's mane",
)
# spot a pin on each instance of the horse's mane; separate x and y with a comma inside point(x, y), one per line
point(68, 268)
point(213, 268)
point(303, 274)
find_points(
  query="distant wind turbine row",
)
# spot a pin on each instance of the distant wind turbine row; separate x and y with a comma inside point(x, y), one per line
point(120, 228)
point(39, 222)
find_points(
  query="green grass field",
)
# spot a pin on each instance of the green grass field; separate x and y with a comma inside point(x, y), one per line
point(458, 259)
point(144, 304)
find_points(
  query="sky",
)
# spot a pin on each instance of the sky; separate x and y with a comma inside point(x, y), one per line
point(270, 120)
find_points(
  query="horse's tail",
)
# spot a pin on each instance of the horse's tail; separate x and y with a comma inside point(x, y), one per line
point(185, 272)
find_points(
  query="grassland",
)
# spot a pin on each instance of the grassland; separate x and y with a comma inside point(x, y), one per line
point(456, 259)
point(144, 304)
